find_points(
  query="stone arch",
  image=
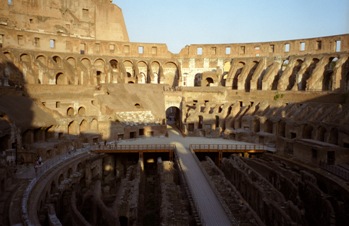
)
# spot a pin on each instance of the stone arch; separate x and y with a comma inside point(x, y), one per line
point(115, 71)
point(41, 60)
point(209, 81)
point(69, 172)
point(333, 136)
point(86, 62)
point(142, 78)
point(83, 127)
point(24, 57)
point(61, 79)
point(143, 70)
point(250, 75)
point(173, 115)
point(80, 167)
point(94, 125)
point(328, 79)
point(73, 128)
point(155, 68)
point(71, 61)
point(60, 179)
point(130, 73)
point(226, 69)
point(259, 80)
point(282, 128)
point(321, 132)
point(81, 111)
point(268, 126)
point(9, 56)
point(49, 133)
point(85, 67)
point(256, 125)
point(307, 74)
point(101, 77)
point(57, 60)
point(170, 71)
point(308, 132)
point(114, 64)
point(292, 80)
point(28, 137)
point(53, 187)
point(239, 67)
point(217, 121)
point(70, 112)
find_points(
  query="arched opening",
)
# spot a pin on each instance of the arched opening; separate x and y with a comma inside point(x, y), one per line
point(293, 76)
point(82, 111)
point(249, 76)
point(27, 137)
point(143, 72)
point(282, 129)
point(327, 81)
point(170, 74)
point(303, 84)
point(201, 122)
point(57, 60)
point(197, 79)
point(226, 69)
point(333, 139)
point(60, 179)
point(83, 126)
point(113, 64)
point(269, 126)
point(41, 60)
point(209, 81)
point(71, 61)
point(70, 112)
point(217, 121)
point(101, 76)
point(25, 58)
point(155, 68)
point(173, 116)
point(307, 132)
point(53, 187)
point(73, 128)
point(257, 126)
point(123, 221)
point(61, 79)
point(239, 69)
point(128, 65)
point(70, 172)
point(321, 133)
point(142, 78)
point(94, 125)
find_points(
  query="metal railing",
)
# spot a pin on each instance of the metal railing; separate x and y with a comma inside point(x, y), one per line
point(336, 170)
point(227, 147)
point(135, 147)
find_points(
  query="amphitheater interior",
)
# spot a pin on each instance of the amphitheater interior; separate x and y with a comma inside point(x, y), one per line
point(71, 80)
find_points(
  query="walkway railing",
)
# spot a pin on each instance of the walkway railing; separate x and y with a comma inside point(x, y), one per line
point(135, 147)
point(336, 170)
point(228, 147)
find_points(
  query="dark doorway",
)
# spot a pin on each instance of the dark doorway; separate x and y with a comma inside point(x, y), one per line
point(331, 157)
point(132, 135)
point(172, 116)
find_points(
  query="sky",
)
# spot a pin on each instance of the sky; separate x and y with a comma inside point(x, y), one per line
point(179, 23)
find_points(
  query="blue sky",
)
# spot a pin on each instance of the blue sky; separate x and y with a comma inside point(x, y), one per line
point(184, 22)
